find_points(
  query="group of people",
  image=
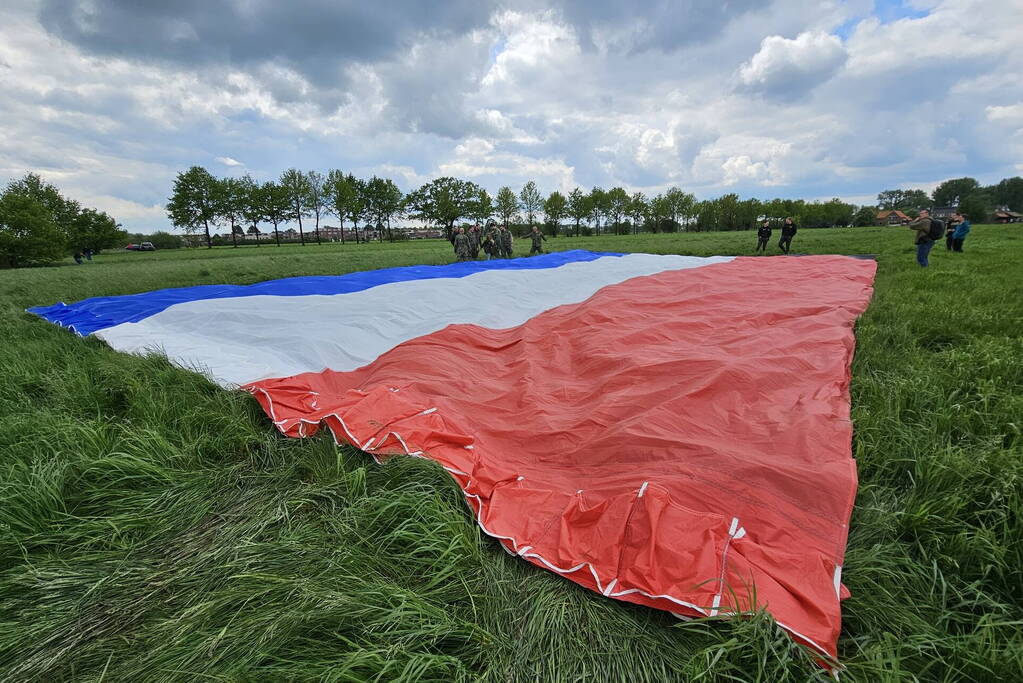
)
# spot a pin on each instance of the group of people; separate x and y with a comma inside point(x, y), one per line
point(928, 230)
point(495, 242)
point(82, 253)
point(788, 231)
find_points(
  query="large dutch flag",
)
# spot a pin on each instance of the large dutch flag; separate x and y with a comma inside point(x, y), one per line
point(666, 430)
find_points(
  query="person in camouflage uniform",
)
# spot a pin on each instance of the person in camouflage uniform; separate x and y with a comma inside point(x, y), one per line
point(537, 238)
point(461, 243)
point(475, 238)
point(506, 242)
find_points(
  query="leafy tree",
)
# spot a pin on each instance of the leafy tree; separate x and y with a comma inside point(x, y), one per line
point(28, 234)
point(62, 210)
point(729, 215)
point(617, 206)
point(278, 206)
point(904, 199)
point(342, 195)
point(706, 215)
point(443, 201)
point(639, 208)
point(384, 201)
point(679, 206)
point(578, 207)
point(1009, 193)
point(193, 202)
point(318, 200)
point(950, 190)
point(483, 207)
point(253, 205)
point(555, 207)
point(507, 206)
point(599, 207)
point(359, 205)
point(531, 201)
point(659, 214)
point(296, 184)
point(890, 199)
point(95, 230)
point(866, 215)
point(231, 198)
point(915, 199)
point(974, 207)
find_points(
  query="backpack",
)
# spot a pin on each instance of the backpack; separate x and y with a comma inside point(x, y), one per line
point(937, 230)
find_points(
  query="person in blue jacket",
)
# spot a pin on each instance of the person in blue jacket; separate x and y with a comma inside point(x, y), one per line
point(961, 231)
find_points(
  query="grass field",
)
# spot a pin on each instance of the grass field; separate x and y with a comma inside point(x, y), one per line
point(156, 527)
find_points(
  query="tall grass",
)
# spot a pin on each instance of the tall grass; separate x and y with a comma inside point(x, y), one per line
point(155, 527)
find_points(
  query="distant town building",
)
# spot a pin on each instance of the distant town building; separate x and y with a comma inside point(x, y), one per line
point(943, 213)
point(891, 217)
point(1003, 215)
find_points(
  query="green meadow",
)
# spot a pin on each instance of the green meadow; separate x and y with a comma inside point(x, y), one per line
point(154, 527)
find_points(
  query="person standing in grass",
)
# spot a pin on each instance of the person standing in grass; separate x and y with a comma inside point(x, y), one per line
point(490, 247)
point(461, 245)
point(962, 230)
point(763, 235)
point(537, 237)
point(506, 242)
point(788, 231)
point(949, 229)
point(474, 242)
point(922, 227)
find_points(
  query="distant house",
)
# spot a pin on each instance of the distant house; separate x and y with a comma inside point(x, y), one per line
point(334, 234)
point(891, 217)
point(943, 213)
point(1006, 216)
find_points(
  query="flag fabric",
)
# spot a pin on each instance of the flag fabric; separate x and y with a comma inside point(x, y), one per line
point(666, 430)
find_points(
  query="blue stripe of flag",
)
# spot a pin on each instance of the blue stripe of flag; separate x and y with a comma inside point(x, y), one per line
point(98, 313)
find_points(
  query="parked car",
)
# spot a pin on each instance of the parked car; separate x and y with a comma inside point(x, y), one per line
point(143, 246)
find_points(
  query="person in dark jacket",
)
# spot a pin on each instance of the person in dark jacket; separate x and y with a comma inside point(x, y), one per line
point(961, 231)
point(788, 231)
point(537, 237)
point(763, 235)
point(949, 229)
point(490, 247)
point(922, 227)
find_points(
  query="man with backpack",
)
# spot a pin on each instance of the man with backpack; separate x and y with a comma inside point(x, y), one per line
point(927, 232)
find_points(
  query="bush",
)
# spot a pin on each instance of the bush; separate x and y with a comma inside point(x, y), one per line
point(163, 240)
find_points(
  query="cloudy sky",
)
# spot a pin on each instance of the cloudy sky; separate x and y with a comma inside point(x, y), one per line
point(109, 99)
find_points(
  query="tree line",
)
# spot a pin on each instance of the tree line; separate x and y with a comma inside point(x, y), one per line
point(972, 199)
point(38, 225)
point(200, 201)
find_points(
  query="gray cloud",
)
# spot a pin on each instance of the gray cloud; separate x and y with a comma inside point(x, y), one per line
point(316, 37)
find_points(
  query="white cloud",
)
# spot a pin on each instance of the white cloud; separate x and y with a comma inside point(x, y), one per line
point(1012, 114)
point(791, 67)
point(228, 161)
